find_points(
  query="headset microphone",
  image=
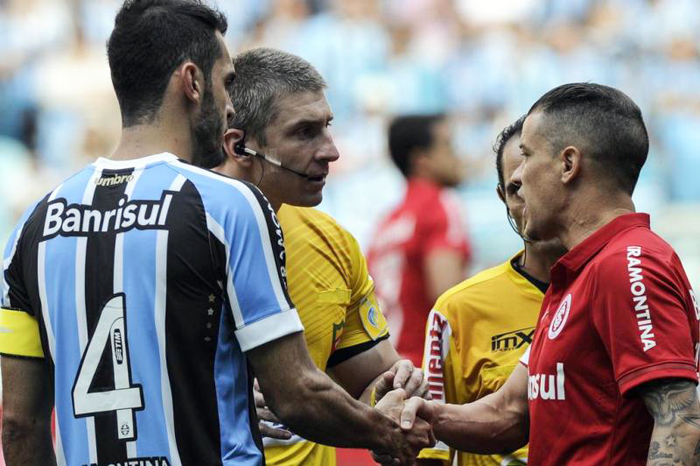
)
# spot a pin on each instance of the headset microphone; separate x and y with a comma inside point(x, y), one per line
point(240, 149)
point(512, 224)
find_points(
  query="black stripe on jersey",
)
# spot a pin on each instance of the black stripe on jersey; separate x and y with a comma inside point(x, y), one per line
point(99, 288)
point(193, 311)
point(344, 354)
point(276, 238)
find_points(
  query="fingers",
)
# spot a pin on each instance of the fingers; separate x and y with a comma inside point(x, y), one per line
point(384, 385)
point(385, 460)
point(265, 414)
point(257, 394)
point(416, 383)
point(274, 432)
point(403, 369)
point(409, 412)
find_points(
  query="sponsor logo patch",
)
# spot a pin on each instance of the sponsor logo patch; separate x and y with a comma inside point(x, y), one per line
point(512, 340)
point(560, 318)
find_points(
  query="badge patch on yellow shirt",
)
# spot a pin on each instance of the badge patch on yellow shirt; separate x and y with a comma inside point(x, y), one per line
point(372, 318)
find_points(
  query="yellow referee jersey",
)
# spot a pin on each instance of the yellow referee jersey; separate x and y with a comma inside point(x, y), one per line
point(475, 335)
point(334, 295)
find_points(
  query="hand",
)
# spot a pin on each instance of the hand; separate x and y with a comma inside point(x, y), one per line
point(264, 414)
point(412, 438)
point(403, 375)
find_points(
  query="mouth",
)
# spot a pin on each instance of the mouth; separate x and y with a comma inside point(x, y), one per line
point(317, 178)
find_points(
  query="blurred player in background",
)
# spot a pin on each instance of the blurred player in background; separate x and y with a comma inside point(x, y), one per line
point(479, 329)
point(612, 370)
point(421, 249)
point(280, 141)
point(138, 292)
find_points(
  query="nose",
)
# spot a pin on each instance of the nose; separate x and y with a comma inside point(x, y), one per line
point(328, 152)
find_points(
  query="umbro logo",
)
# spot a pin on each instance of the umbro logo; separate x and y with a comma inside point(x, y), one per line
point(512, 340)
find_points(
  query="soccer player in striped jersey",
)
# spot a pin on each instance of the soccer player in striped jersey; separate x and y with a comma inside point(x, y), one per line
point(479, 329)
point(139, 293)
point(281, 141)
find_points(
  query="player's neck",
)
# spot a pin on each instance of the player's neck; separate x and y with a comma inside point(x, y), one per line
point(539, 258)
point(589, 214)
point(161, 136)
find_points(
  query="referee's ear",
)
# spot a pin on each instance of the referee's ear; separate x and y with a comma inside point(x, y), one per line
point(233, 137)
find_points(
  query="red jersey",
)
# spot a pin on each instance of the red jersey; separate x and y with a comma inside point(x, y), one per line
point(428, 219)
point(619, 312)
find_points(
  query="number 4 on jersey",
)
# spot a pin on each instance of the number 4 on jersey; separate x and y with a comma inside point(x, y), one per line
point(125, 398)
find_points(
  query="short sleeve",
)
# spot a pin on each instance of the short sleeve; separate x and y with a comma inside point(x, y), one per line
point(643, 318)
point(256, 276)
point(443, 227)
point(364, 319)
point(14, 289)
point(525, 358)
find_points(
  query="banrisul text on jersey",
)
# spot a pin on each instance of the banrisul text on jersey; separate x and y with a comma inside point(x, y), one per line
point(81, 220)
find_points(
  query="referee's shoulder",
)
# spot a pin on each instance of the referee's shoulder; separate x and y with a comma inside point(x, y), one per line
point(476, 285)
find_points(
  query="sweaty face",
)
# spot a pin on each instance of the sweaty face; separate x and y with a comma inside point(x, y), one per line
point(511, 161)
point(216, 108)
point(445, 166)
point(540, 181)
point(299, 137)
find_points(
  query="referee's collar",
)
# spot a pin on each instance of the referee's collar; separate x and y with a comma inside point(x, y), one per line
point(105, 163)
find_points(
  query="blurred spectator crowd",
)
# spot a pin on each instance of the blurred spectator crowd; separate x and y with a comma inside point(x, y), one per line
point(483, 63)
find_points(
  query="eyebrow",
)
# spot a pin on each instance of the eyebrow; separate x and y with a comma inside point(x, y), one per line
point(310, 121)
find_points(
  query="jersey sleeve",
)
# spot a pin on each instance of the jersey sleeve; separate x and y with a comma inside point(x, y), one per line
point(444, 227)
point(644, 318)
point(364, 319)
point(525, 358)
point(19, 327)
point(256, 276)
point(439, 370)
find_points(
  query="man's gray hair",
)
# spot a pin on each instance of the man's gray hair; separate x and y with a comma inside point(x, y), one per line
point(263, 75)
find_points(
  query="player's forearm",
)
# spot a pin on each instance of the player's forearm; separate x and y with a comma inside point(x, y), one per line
point(483, 427)
point(27, 444)
point(330, 416)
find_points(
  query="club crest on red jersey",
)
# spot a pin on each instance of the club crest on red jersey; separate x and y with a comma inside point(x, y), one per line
point(560, 318)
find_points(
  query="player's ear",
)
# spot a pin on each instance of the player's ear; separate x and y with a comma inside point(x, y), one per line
point(570, 159)
point(192, 81)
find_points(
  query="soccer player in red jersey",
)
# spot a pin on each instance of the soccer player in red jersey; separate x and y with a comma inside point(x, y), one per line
point(612, 370)
point(421, 249)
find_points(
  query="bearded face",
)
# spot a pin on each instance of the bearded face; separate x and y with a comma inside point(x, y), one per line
point(208, 133)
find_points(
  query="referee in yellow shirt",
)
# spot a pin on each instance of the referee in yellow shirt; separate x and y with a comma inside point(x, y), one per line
point(478, 330)
point(279, 140)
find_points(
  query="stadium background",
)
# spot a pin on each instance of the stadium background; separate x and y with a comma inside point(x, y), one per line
point(483, 63)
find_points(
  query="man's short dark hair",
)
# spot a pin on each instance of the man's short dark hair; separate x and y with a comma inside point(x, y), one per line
point(408, 133)
point(508, 132)
point(151, 38)
point(263, 75)
point(603, 122)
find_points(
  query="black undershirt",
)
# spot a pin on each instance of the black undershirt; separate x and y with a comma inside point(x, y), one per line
point(542, 286)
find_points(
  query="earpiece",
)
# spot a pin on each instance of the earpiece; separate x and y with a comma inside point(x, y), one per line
point(239, 149)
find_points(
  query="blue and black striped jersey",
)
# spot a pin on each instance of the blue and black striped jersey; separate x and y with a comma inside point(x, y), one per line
point(150, 278)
